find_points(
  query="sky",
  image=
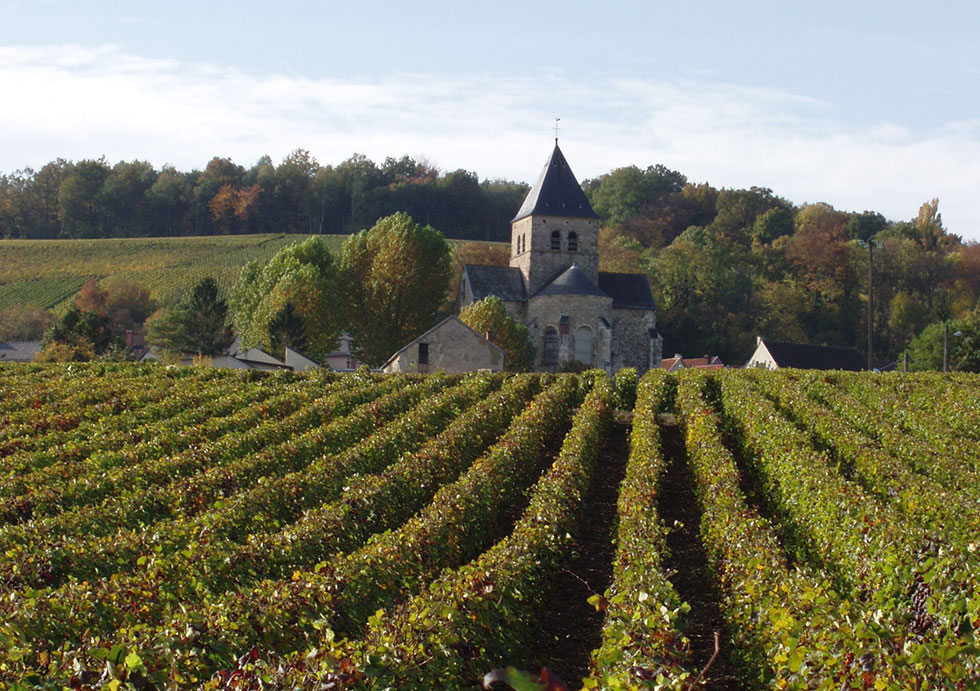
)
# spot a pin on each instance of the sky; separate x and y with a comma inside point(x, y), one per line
point(865, 105)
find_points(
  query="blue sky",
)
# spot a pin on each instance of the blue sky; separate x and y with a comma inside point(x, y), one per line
point(864, 105)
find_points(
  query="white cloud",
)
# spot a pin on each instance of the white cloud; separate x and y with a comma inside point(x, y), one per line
point(74, 102)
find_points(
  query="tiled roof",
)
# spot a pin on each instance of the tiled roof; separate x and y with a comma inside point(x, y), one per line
point(678, 362)
point(628, 291)
point(505, 282)
point(571, 281)
point(556, 192)
point(804, 356)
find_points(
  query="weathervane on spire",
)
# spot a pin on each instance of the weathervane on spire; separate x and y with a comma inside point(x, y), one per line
point(556, 130)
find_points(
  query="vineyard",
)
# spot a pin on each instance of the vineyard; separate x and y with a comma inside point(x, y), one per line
point(43, 273)
point(170, 527)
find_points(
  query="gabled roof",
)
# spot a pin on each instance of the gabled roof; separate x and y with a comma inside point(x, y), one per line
point(571, 281)
point(450, 319)
point(679, 362)
point(804, 356)
point(628, 291)
point(298, 361)
point(505, 282)
point(557, 192)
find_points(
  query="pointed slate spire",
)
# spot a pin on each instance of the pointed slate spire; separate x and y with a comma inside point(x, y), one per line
point(557, 192)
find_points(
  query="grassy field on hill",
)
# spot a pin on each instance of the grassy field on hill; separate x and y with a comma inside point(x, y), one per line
point(43, 273)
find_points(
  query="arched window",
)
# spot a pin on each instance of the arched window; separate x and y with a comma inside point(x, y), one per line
point(549, 356)
point(583, 345)
point(523, 244)
point(555, 240)
point(573, 242)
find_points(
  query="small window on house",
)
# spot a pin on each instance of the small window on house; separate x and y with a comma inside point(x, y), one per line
point(573, 242)
point(423, 353)
point(555, 240)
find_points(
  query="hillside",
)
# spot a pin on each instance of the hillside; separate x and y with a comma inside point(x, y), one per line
point(198, 527)
point(44, 272)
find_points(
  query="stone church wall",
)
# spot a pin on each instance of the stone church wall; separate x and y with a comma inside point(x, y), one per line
point(582, 310)
point(631, 346)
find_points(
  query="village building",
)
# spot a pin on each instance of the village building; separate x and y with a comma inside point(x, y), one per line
point(679, 362)
point(450, 346)
point(778, 354)
point(574, 312)
point(342, 359)
point(19, 351)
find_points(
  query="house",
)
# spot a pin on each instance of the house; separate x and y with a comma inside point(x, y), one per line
point(450, 346)
point(19, 351)
point(298, 362)
point(342, 360)
point(679, 362)
point(779, 354)
point(573, 311)
point(233, 358)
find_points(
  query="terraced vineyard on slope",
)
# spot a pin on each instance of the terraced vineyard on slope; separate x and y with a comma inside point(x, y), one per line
point(179, 528)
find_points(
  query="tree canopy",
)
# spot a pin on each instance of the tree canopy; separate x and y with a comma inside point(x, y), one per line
point(290, 301)
point(393, 279)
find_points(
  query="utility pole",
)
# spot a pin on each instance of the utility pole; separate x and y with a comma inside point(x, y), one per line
point(945, 346)
point(871, 303)
point(871, 244)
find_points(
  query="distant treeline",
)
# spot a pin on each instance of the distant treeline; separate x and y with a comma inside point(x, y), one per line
point(93, 199)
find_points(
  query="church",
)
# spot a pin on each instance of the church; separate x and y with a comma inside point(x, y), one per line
point(576, 314)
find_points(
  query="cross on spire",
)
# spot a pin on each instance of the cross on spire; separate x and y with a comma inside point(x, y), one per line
point(556, 129)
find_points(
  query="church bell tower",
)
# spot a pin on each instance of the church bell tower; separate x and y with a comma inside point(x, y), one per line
point(555, 228)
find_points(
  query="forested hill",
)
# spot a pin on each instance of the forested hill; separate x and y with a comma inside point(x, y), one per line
point(93, 199)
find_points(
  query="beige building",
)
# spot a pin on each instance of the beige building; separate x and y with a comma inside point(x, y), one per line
point(778, 354)
point(449, 346)
point(573, 311)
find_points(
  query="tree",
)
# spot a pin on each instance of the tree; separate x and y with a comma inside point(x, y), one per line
point(163, 329)
point(199, 325)
point(128, 304)
point(23, 322)
point(393, 281)
point(83, 329)
point(92, 297)
point(78, 212)
point(865, 226)
point(629, 191)
point(293, 193)
point(203, 320)
point(169, 200)
point(292, 299)
point(925, 351)
point(489, 316)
